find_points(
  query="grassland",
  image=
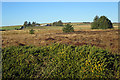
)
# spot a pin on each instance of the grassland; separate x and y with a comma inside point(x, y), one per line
point(45, 35)
point(9, 27)
point(77, 48)
point(76, 26)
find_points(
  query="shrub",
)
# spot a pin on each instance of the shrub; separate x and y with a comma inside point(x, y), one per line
point(59, 23)
point(68, 28)
point(101, 23)
point(59, 61)
point(31, 31)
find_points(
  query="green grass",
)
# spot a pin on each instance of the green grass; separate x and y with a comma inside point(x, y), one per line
point(115, 24)
point(82, 28)
point(46, 27)
point(59, 61)
point(9, 27)
point(78, 24)
point(56, 27)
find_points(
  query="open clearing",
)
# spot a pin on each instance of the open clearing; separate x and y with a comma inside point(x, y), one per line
point(107, 39)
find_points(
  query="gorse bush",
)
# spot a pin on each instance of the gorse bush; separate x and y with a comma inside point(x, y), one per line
point(68, 28)
point(59, 61)
point(31, 31)
point(101, 23)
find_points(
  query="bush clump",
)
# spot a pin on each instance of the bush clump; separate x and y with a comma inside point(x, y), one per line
point(101, 23)
point(58, 23)
point(59, 61)
point(31, 31)
point(68, 28)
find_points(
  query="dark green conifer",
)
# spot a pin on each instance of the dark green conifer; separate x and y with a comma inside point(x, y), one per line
point(101, 23)
point(68, 28)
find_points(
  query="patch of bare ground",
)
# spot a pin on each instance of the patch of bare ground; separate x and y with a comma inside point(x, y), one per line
point(107, 39)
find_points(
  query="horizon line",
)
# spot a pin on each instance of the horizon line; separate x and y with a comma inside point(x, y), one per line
point(48, 23)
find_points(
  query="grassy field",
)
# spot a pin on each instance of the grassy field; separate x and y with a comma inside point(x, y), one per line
point(84, 52)
point(10, 27)
point(76, 26)
point(82, 35)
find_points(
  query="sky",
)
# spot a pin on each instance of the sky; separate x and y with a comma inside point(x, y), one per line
point(15, 13)
point(60, 0)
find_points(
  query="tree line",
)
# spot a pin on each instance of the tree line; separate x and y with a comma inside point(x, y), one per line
point(29, 24)
point(98, 23)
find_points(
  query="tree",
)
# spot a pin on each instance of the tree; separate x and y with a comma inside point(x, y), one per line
point(101, 23)
point(25, 24)
point(96, 18)
point(29, 24)
point(54, 23)
point(104, 23)
point(68, 28)
point(95, 23)
point(33, 23)
point(59, 23)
